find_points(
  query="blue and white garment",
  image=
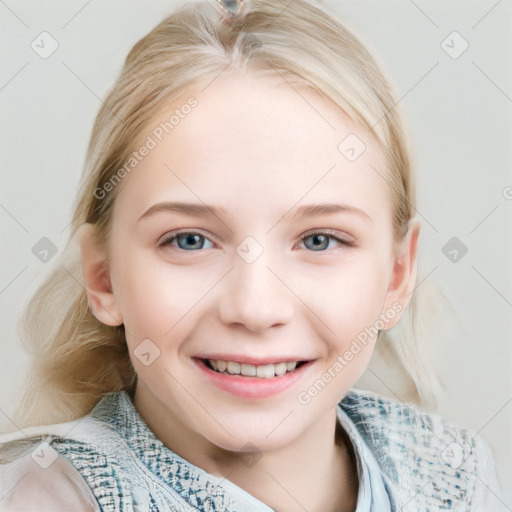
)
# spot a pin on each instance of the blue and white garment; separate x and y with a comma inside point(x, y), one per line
point(110, 460)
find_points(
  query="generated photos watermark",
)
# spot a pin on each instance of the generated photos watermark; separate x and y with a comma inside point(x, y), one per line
point(306, 396)
point(157, 135)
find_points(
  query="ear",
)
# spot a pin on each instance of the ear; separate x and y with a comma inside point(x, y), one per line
point(403, 277)
point(97, 278)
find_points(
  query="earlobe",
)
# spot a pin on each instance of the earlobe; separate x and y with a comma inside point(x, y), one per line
point(403, 278)
point(97, 278)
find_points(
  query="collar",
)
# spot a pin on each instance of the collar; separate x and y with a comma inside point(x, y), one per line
point(197, 486)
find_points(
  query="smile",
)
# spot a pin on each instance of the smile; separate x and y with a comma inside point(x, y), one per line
point(266, 371)
point(253, 381)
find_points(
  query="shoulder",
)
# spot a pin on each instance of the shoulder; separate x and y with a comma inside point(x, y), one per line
point(389, 421)
point(371, 412)
point(425, 455)
point(41, 479)
point(56, 467)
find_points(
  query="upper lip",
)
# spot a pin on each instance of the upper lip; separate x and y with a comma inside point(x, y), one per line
point(256, 361)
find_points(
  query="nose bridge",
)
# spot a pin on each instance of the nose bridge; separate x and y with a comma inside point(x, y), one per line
point(255, 297)
point(253, 278)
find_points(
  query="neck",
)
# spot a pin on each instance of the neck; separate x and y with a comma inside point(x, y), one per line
point(315, 472)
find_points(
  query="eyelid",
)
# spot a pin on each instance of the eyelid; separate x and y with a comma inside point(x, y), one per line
point(169, 236)
point(343, 237)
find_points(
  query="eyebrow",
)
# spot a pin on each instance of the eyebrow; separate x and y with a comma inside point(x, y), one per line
point(195, 209)
point(327, 209)
point(204, 210)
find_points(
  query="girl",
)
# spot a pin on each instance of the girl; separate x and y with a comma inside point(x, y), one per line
point(246, 237)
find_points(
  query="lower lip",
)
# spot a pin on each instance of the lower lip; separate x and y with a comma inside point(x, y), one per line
point(252, 387)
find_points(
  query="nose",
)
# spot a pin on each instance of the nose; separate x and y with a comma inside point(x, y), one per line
point(254, 297)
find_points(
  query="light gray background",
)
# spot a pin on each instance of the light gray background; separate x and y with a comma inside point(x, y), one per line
point(459, 111)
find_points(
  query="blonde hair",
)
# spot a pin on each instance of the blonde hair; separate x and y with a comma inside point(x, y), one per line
point(77, 359)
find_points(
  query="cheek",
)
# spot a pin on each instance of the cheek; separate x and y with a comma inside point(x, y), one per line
point(346, 309)
point(155, 296)
point(350, 298)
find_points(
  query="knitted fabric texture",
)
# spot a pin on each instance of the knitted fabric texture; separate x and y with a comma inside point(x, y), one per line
point(427, 463)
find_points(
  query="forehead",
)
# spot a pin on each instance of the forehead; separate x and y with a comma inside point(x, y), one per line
point(255, 138)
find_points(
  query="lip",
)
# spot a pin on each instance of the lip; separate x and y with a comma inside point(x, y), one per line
point(253, 387)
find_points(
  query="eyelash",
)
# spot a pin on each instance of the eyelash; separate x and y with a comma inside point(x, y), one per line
point(170, 237)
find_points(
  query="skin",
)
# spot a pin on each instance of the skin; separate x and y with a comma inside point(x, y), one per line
point(256, 148)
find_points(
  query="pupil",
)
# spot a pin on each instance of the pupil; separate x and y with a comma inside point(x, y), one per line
point(320, 241)
point(190, 241)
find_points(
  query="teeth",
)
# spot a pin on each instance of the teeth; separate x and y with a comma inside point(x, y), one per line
point(280, 369)
point(249, 370)
point(266, 371)
point(233, 368)
point(290, 366)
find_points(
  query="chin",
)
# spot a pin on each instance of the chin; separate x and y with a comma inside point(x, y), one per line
point(253, 437)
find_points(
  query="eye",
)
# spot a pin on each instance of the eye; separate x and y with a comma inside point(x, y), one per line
point(188, 241)
point(321, 241)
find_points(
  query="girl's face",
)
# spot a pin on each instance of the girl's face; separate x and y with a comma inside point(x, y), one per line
point(250, 237)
